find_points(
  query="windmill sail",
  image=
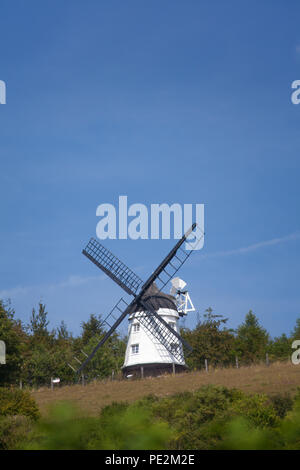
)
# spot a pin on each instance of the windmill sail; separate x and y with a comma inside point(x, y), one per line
point(109, 332)
point(113, 267)
point(174, 260)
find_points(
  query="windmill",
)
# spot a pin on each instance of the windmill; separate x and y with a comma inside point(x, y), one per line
point(144, 310)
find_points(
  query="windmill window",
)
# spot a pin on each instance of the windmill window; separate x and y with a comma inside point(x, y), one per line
point(135, 348)
point(136, 327)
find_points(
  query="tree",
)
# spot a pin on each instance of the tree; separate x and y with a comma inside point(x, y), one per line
point(45, 363)
point(280, 348)
point(295, 334)
point(91, 328)
point(47, 353)
point(109, 357)
point(210, 340)
point(63, 335)
point(38, 327)
point(38, 321)
point(12, 334)
point(251, 340)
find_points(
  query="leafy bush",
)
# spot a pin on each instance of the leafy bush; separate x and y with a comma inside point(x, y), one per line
point(15, 402)
point(282, 403)
point(238, 434)
point(63, 429)
point(209, 418)
point(256, 409)
point(119, 427)
point(13, 431)
point(130, 427)
point(198, 418)
point(17, 412)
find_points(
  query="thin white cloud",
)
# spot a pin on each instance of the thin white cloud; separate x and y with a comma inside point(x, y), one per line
point(255, 246)
point(8, 293)
point(74, 281)
point(71, 281)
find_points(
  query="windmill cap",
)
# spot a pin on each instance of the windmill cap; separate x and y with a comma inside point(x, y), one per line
point(158, 299)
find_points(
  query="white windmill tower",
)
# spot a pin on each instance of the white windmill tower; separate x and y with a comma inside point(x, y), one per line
point(154, 344)
point(146, 353)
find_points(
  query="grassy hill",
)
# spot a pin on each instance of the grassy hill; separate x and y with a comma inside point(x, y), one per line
point(277, 378)
point(255, 407)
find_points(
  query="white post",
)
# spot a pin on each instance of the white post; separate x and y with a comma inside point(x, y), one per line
point(51, 383)
point(267, 359)
point(237, 362)
point(206, 365)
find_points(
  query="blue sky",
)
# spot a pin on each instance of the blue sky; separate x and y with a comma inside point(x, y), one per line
point(172, 101)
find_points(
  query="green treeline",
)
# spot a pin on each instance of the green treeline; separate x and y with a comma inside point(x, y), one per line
point(35, 353)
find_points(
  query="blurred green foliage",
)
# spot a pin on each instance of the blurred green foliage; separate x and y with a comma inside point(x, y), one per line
point(119, 427)
point(209, 418)
point(14, 431)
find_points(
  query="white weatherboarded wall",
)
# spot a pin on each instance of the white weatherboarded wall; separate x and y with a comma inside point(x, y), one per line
point(150, 350)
